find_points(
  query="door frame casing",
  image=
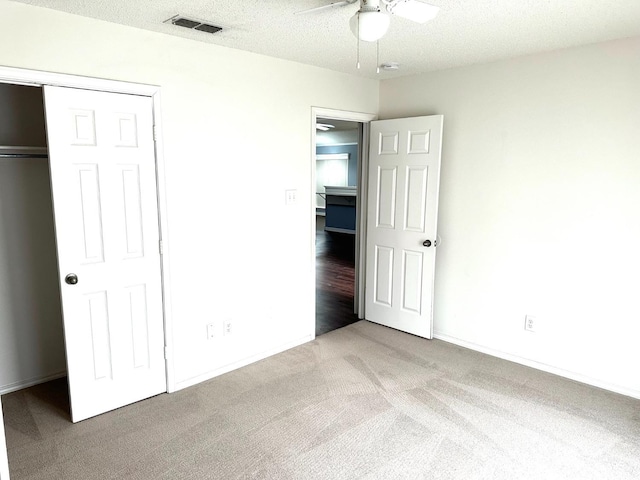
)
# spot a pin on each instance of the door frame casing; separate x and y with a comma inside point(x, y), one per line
point(39, 78)
point(361, 200)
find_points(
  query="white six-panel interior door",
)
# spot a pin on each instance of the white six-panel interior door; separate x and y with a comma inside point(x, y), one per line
point(402, 208)
point(102, 161)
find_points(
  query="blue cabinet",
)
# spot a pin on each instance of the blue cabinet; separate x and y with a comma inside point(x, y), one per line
point(341, 209)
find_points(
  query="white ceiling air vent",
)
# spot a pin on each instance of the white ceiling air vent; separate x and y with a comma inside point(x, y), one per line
point(390, 66)
point(181, 21)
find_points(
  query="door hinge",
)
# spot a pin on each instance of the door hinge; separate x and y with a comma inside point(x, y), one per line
point(160, 247)
point(166, 352)
point(155, 133)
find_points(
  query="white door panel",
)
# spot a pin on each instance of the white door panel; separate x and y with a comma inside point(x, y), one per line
point(404, 175)
point(104, 195)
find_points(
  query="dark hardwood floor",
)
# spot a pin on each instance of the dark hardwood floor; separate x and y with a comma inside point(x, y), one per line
point(335, 274)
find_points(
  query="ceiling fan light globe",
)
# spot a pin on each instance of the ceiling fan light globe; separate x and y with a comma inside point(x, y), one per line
point(373, 25)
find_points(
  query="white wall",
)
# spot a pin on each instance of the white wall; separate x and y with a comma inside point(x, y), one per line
point(31, 343)
point(237, 133)
point(540, 206)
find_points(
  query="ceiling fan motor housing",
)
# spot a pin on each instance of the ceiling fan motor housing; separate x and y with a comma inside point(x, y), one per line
point(369, 5)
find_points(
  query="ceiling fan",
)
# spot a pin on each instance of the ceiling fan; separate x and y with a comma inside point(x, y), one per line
point(370, 23)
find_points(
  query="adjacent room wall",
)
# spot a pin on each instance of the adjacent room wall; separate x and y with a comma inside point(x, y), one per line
point(236, 135)
point(352, 151)
point(539, 207)
point(31, 340)
point(332, 137)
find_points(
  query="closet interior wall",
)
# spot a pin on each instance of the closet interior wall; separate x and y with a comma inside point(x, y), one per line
point(31, 335)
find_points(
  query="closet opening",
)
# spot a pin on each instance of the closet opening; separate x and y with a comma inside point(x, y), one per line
point(32, 349)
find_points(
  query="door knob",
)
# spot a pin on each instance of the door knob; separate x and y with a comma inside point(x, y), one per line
point(426, 243)
point(71, 279)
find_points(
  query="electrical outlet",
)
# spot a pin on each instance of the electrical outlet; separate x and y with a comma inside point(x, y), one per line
point(211, 331)
point(227, 327)
point(530, 323)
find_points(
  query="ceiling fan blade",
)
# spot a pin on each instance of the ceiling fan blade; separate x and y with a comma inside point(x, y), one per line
point(414, 10)
point(325, 7)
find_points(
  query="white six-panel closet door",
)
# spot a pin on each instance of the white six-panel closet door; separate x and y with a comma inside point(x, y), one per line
point(102, 160)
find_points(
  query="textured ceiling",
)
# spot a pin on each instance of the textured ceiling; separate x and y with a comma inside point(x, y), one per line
point(465, 31)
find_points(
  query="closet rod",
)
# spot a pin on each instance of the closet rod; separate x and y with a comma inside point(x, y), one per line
point(20, 151)
point(24, 155)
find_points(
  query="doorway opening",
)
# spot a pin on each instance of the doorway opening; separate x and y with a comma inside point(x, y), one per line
point(338, 149)
point(31, 332)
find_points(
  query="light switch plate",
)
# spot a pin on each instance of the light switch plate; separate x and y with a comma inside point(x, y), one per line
point(290, 197)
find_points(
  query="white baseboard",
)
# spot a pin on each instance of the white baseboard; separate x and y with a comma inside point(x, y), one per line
point(12, 387)
point(578, 377)
point(241, 363)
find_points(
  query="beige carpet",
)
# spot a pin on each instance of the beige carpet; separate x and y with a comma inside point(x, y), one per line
point(361, 402)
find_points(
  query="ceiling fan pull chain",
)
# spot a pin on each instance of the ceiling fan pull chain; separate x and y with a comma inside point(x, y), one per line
point(378, 56)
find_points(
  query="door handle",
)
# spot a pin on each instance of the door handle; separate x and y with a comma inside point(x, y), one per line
point(426, 243)
point(71, 279)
